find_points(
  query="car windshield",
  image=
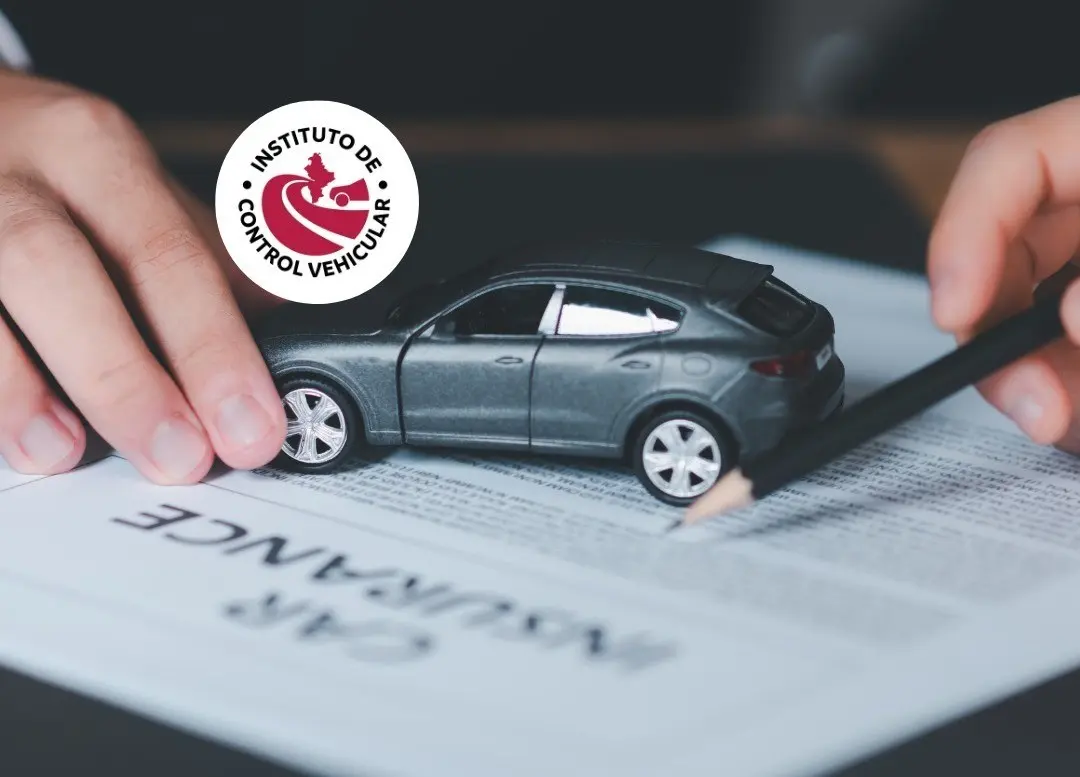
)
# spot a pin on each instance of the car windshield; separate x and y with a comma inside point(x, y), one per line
point(422, 301)
point(407, 307)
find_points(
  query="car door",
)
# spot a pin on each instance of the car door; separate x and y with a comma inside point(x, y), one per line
point(602, 355)
point(465, 381)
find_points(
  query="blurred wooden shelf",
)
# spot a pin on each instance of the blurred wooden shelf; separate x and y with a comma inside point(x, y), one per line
point(921, 157)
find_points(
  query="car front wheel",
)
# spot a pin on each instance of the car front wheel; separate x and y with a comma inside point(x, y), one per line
point(679, 455)
point(321, 425)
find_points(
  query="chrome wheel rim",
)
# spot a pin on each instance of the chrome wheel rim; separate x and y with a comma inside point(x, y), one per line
point(681, 458)
point(315, 432)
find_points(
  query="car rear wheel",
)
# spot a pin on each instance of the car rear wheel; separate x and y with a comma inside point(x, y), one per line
point(679, 455)
point(322, 425)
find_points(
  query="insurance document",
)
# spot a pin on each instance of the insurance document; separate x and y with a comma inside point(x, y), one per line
point(428, 615)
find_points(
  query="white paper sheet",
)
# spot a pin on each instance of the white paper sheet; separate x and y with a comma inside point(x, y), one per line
point(425, 614)
point(9, 478)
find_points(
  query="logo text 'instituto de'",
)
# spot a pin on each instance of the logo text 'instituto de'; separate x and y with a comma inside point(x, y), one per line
point(317, 202)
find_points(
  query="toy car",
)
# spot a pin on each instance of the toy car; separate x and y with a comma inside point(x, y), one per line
point(679, 359)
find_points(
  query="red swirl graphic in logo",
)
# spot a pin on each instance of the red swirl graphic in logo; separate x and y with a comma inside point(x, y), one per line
point(304, 226)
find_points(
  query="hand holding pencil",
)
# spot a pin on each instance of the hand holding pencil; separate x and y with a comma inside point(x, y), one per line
point(975, 361)
point(1011, 221)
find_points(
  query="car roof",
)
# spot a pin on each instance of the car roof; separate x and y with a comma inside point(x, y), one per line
point(719, 274)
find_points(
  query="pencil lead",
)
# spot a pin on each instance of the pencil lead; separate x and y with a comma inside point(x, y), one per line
point(678, 522)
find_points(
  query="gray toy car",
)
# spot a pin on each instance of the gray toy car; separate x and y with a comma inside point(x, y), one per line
point(679, 359)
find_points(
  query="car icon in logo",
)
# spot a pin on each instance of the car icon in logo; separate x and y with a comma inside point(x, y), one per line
point(355, 191)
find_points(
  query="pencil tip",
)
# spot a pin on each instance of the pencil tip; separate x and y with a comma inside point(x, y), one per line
point(674, 525)
point(729, 493)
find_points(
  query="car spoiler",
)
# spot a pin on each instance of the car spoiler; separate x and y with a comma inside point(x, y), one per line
point(733, 280)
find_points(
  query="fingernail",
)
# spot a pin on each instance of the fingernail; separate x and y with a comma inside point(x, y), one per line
point(1071, 303)
point(1026, 411)
point(941, 283)
point(242, 421)
point(942, 291)
point(176, 449)
point(46, 441)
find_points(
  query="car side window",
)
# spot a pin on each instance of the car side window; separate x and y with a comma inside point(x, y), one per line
point(591, 311)
point(511, 310)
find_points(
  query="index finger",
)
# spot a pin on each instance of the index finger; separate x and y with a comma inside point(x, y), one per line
point(1012, 170)
point(121, 193)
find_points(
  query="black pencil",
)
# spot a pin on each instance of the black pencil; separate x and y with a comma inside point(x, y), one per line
point(967, 365)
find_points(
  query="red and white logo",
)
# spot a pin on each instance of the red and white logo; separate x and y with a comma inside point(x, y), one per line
point(317, 202)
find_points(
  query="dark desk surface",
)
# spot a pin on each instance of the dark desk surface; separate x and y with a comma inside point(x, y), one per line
point(867, 191)
point(859, 191)
point(920, 158)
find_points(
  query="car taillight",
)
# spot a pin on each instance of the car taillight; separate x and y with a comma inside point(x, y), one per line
point(790, 366)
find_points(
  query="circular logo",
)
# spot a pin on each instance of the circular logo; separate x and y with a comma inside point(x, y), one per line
point(317, 202)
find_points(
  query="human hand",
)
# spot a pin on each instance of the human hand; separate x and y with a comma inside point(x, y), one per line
point(105, 262)
point(1011, 220)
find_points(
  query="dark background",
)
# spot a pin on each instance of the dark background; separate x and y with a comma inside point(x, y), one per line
point(970, 59)
point(962, 61)
point(198, 62)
